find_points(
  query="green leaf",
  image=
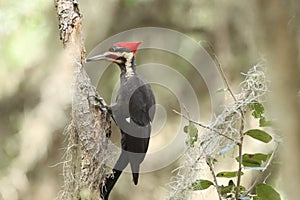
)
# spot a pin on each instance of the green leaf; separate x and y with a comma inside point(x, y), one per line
point(264, 123)
point(231, 183)
point(259, 135)
point(201, 184)
point(227, 174)
point(229, 189)
point(254, 160)
point(192, 131)
point(258, 109)
point(266, 192)
point(226, 189)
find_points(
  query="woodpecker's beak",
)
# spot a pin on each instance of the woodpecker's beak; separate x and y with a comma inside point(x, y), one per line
point(110, 56)
point(98, 57)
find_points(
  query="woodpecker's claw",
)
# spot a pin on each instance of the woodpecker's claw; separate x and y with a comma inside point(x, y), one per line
point(98, 101)
point(109, 109)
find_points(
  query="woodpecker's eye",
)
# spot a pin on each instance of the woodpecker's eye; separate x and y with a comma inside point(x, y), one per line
point(118, 49)
point(113, 49)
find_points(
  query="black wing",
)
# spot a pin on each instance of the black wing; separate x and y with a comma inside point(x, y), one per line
point(142, 105)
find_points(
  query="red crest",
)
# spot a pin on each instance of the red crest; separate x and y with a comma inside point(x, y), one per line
point(132, 46)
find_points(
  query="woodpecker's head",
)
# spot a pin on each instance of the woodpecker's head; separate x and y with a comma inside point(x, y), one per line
point(121, 53)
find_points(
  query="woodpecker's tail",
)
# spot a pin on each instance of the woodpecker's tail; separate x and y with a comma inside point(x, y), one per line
point(135, 177)
point(135, 168)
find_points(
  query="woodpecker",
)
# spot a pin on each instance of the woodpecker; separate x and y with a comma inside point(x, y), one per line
point(133, 112)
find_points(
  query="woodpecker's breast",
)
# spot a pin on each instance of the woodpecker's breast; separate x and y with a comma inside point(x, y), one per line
point(135, 101)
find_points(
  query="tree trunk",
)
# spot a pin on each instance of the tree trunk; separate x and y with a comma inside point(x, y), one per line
point(84, 168)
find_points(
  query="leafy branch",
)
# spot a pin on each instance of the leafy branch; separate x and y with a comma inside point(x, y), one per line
point(226, 132)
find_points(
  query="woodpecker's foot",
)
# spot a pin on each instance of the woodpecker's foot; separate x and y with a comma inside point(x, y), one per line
point(97, 101)
point(100, 101)
point(104, 107)
point(109, 109)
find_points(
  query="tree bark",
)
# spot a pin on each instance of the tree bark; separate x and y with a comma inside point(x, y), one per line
point(84, 168)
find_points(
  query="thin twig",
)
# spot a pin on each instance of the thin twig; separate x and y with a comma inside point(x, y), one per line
point(204, 126)
point(221, 71)
point(240, 145)
point(186, 110)
point(208, 162)
point(224, 77)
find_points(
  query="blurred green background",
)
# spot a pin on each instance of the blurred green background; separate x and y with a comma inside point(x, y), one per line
point(31, 139)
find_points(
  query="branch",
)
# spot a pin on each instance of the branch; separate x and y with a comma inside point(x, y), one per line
point(221, 71)
point(203, 126)
point(224, 77)
point(240, 145)
point(208, 162)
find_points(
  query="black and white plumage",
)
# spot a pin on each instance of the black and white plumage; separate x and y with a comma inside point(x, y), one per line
point(133, 112)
